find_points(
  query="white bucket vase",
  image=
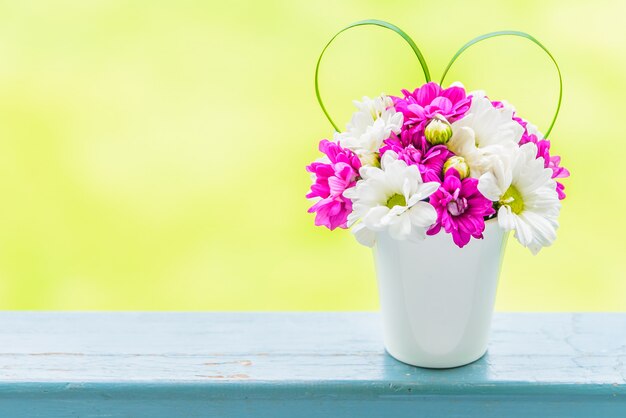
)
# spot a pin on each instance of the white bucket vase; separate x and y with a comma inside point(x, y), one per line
point(437, 299)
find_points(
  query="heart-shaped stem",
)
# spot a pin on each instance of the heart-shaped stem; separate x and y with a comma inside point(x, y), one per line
point(373, 22)
point(522, 35)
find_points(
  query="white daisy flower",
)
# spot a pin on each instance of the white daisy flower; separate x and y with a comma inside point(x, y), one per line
point(484, 134)
point(391, 199)
point(371, 124)
point(526, 195)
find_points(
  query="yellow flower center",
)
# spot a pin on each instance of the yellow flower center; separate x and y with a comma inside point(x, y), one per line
point(513, 199)
point(396, 200)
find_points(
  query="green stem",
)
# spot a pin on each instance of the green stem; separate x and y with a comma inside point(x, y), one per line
point(522, 35)
point(373, 22)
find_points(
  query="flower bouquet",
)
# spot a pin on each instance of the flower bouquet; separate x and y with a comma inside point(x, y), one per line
point(434, 179)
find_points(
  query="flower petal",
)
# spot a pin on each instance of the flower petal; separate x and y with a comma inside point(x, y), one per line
point(364, 235)
point(422, 215)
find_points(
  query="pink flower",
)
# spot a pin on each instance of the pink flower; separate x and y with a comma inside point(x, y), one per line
point(429, 163)
point(332, 178)
point(461, 208)
point(522, 122)
point(419, 107)
point(543, 150)
point(549, 161)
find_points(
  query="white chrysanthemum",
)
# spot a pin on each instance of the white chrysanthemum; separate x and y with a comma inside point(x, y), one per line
point(526, 194)
point(390, 199)
point(371, 124)
point(484, 134)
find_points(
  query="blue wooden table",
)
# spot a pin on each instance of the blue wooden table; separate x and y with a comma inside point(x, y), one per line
point(300, 365)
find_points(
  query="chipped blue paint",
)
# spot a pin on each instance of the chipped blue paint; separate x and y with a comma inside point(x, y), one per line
point(300, 365)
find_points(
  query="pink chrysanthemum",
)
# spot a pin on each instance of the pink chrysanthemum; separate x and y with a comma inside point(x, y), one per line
point(419, 107)
point(429, 163)
point(549, 161)
point(543, 150)
point(332, 178)
point(461, 208)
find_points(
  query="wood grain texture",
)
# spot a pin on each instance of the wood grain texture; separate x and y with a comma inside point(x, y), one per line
point(300, 364)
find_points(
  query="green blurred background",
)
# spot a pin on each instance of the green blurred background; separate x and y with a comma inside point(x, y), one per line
point(152, 153)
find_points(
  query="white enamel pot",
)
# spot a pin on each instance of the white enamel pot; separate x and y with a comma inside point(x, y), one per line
point(437, 299)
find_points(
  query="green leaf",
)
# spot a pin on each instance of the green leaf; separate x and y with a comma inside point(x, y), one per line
point(373, 22)
point(522, 35)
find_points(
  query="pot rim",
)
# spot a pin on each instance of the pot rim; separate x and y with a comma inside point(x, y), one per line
point(494, 219)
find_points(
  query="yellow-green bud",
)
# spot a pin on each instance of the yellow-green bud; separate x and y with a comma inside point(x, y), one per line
point(370, 158)
point(459, 164)
point(438, 131)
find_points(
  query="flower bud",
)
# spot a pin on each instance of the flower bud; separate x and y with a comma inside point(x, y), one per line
point(459, 164)
point(370, 159)
point(438, 131)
